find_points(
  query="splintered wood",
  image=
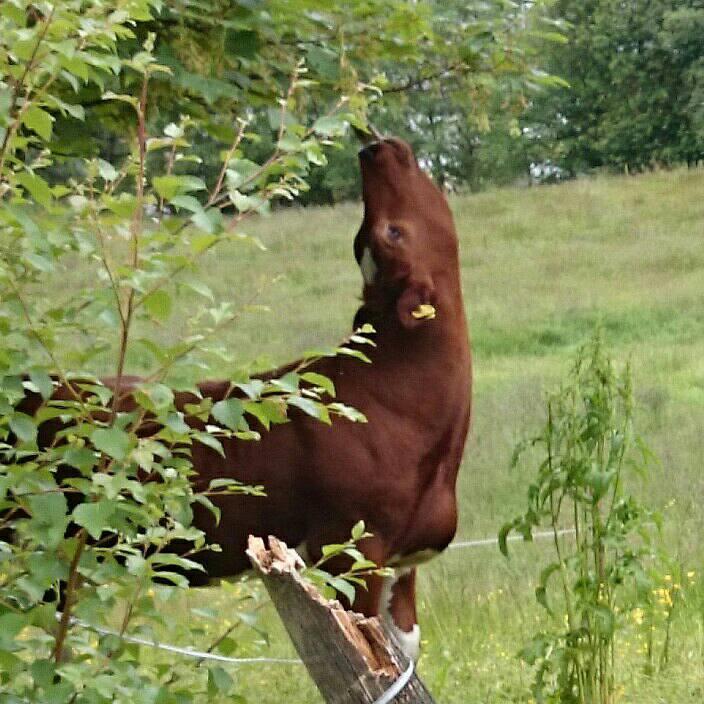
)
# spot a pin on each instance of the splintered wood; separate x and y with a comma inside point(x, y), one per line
point(351, 659)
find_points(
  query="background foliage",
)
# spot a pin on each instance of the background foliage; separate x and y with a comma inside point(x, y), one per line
point(636, 73)
point(140, 139)
point(97, 518)
point(540, 267)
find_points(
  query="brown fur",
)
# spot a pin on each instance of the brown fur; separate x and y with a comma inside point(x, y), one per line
point(398, 471)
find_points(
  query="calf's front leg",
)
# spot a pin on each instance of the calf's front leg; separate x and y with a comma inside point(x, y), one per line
point(398, 610)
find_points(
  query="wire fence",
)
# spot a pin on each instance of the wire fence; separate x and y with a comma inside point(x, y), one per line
point(203, 655)
point(481, 542)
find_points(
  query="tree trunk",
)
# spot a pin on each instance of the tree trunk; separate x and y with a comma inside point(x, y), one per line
point(352, 659)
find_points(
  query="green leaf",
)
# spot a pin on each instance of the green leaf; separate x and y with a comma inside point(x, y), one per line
point(275, 116)
point(94, 517)
point(39, 120)
point(122, 97)
point(190, 203)
point(50, 507)
point(333, 549)
point(201, 242)
point(123, 206)
point(229, 412)
point(218, 681)
point(23, 426)
point(158, 305)
point(541, 596)
point(503, 535)
point(155, 397)
point(209, 441)
point(309, 407)
point(288, 382)
point(171, 186)
point(38, 188)
point(321, 381)
point(82, 458)
point(343, 587)
point(111, 441)
point(361, 340)
point(106, 170)
point(329, 126)
point(290, 143)
point(103, 393)
point(209, 505)
point(208, 220)
point(201, 288)
point(266, 411)
point(244, 43)
point(42, 382)
point(49, 519)
point(10, 626)
point(43, 672)
point(362, 565)
point(357, 354)
point(176, 423)
point(351, 414)
point(358, 530)
point(46, 568)
point(242, 202)
point(541, 593)
point(253, 388)
point(39, 262)
point(225, 483)
point(535, 649)
point(9, 663)
point(5, 103)
point(241, 171)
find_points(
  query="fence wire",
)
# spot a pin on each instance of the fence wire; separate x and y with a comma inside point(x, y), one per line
point(203, 655)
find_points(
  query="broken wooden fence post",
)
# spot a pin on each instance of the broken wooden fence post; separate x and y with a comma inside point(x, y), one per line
point(351, 658)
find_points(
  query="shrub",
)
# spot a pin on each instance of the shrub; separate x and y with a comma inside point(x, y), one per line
point(76, 514)
point(585, 453)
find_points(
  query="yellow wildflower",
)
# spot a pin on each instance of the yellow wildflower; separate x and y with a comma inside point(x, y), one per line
point(664, 596)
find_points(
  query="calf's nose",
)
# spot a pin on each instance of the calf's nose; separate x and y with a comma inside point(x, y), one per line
point(368, 151)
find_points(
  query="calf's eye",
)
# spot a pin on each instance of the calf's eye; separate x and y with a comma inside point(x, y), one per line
point(393, 233)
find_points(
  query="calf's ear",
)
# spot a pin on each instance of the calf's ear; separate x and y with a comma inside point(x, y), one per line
point(416, 305)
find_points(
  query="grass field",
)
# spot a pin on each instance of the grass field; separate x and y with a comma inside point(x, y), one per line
point(541, 267)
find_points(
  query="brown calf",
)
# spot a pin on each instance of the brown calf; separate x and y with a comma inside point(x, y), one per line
point(398, 471)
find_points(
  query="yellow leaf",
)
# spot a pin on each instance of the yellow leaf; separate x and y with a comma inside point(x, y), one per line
point(424, 312)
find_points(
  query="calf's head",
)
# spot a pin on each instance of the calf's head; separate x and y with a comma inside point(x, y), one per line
point(406, 246)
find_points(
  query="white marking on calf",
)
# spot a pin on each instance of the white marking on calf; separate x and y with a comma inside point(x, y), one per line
point(368, 266)
point(413, 560)
point(408, 641)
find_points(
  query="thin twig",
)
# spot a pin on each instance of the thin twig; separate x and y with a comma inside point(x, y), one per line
point(71, 587)
point(135, 230)
point(18, 87)
point(223, 171)
point(414, 83)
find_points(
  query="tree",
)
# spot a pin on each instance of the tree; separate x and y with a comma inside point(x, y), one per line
point(460, 108)
point(78, 512)
point(136, 137)
point(634, 72)
point(471, 64)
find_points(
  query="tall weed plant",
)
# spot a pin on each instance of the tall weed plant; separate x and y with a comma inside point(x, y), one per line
point(586, 454)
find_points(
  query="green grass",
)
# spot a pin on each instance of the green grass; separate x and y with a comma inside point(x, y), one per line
point(541, 267)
